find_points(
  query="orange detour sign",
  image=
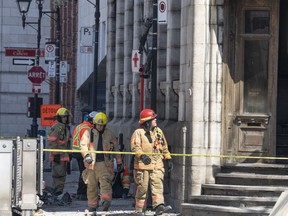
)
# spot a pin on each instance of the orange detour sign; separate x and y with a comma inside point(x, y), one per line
point(48, 113)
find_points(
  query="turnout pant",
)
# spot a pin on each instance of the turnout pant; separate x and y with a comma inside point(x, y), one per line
point(99, 175)
point(143, 178)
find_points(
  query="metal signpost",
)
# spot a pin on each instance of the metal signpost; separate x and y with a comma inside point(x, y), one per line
point(36, 75)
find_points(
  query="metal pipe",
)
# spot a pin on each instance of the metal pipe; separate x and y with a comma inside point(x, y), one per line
point(40, 166)
point(184, 130)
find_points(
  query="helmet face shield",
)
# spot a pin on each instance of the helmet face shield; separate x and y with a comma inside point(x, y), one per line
point(91, 116)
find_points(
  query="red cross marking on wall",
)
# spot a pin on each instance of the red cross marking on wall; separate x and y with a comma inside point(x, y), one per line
point(135, 59)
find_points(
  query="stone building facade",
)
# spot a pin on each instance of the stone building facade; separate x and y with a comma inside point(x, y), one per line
point(188, 88)
point(217, 82)
point(217, 79)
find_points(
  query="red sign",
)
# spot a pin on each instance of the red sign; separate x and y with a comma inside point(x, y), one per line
point(23, 52)
point(36, 74)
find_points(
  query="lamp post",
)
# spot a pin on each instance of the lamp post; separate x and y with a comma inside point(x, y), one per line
point(23, 6)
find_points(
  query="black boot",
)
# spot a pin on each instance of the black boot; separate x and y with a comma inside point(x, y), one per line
point(106, 205)
point(93, 211)
point(162, 209)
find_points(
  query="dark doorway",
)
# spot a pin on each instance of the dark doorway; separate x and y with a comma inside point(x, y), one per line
point(282, 96)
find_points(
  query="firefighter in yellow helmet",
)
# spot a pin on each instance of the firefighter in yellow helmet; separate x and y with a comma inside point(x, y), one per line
point(58, 138)
point(100, 166)
point(149, 168)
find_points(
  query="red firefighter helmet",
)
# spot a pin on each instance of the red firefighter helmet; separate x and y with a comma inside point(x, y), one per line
point(147, 115)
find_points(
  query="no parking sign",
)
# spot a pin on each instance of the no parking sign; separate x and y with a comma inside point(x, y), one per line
point(162, 11)
point(50, 51)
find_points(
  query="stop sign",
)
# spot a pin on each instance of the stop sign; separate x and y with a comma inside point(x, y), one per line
point(36, 74)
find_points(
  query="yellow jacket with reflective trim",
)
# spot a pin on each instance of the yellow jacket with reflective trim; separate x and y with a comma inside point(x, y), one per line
point(109, 142)
point(78, 133)
point(58, 137)
point(140, 143)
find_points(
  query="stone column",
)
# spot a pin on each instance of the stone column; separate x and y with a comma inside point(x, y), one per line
point(128, 46)
point(110, 64)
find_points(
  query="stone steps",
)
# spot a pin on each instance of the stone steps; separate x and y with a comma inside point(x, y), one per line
point(234, 201)
point(213, 210)
point(240, 189)
point(251, 179)
point(256, 168)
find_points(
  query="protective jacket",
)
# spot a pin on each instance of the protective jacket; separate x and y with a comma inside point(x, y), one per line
point(89, 143)
point(58, 138)
point(78, 133)
point(140, 144)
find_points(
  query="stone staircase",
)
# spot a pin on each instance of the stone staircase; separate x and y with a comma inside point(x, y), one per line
point(240, 189)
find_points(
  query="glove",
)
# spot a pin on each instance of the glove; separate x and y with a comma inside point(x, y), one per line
point(119, 168)
point(169, 165)
point(56, 158)
point(88, 159)
point(146, 159)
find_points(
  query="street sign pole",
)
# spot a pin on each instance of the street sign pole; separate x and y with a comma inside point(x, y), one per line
point(34, 126)
point(57, 60)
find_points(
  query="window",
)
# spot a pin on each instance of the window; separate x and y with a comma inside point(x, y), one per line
point(256, 51)
point(257, 22)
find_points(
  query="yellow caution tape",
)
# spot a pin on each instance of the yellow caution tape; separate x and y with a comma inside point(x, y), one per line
point(172, 154)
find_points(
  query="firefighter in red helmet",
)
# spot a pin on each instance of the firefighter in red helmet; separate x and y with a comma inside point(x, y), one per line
point(149, 168)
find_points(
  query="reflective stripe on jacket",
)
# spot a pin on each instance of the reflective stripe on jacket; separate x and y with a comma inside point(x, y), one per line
point(125, 178)
point(78, 133)
point(58, 137)
point(109, 142)
point(140, 144)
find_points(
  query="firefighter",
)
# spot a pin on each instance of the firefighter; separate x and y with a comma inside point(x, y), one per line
point(77, 134)
point(58, 138)
point(100, 166)
point(149, 168)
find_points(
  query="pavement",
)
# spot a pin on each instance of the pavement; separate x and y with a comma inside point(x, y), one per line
point(119, 206)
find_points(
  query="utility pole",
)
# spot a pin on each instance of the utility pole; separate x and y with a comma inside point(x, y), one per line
point(57, 59)
point(95, 71)
point(154, 60)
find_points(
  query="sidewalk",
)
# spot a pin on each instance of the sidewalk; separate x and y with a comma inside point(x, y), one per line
point(119, 207)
